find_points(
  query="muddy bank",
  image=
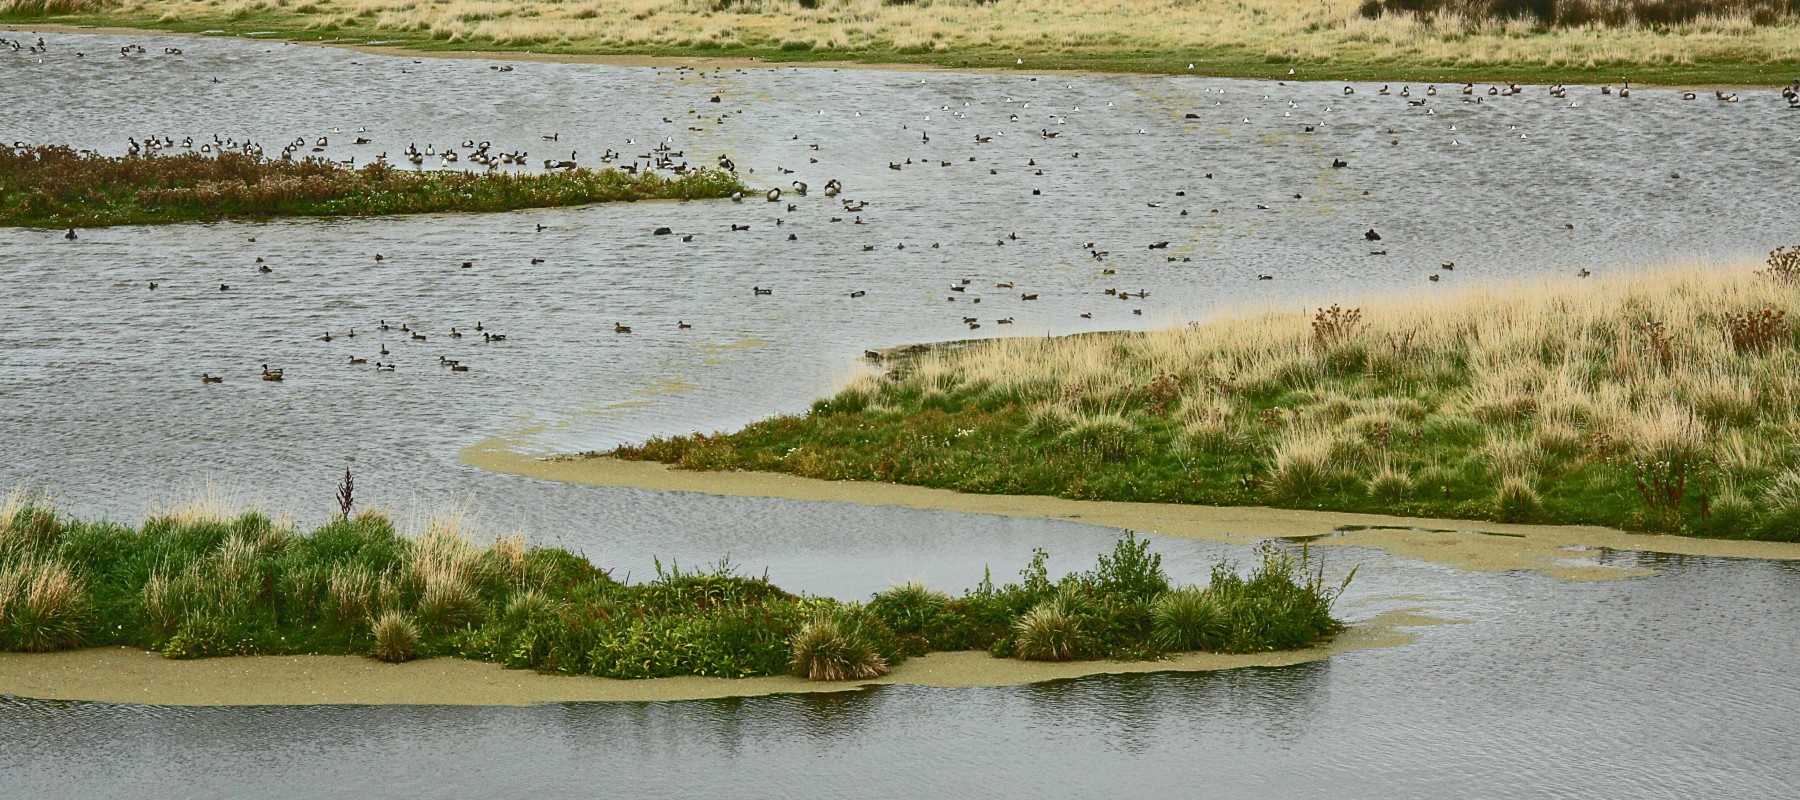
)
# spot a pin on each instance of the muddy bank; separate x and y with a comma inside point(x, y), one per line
point(126, 675)
point(1569, 552)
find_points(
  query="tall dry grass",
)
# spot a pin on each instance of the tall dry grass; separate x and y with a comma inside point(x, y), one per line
point(1537, 358)
point(1450, 32)
point(28, 7)
point(1632, 400)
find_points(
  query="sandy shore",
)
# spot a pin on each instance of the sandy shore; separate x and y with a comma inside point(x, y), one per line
point(1563, 551)
point(126, 675)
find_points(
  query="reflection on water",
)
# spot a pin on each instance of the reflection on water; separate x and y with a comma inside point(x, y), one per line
point(1672, 685)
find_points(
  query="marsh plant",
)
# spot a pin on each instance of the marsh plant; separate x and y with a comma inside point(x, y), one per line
point(396, 638)
point(205, 582)
point(54, 186)
point(1634, 401)
point(832, 646)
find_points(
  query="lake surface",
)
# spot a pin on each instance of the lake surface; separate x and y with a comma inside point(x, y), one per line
point(1679, 684)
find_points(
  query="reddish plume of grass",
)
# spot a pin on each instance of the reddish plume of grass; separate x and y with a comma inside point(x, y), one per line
point(1579, 13)
point(55, 187)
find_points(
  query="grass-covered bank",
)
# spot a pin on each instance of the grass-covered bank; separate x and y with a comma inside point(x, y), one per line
point(1660, 402)
point(1672, 42)
point(194, 583)
point(58, 187)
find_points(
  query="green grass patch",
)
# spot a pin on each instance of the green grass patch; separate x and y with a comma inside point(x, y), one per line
point(196, 585)
point(1654, 402)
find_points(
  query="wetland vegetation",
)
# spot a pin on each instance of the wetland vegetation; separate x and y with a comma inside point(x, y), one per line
point(1547, 41)
point(198, 582)
point(1661, 401)
point(60, 187)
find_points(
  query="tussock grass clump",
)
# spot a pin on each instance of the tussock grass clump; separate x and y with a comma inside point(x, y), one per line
point(1390, 485)
point(907, 608)
point(1189, 619)
point(830, 648)
point(1516, 501)
point(203, 585)
point(59, 187)
point(1630, 401)
point(396, 638)
point(43, 605)
point(1050, 631)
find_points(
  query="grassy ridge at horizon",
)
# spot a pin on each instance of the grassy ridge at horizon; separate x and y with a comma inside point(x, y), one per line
point(1544, 41)
point(59, 187)
point(1665, 402)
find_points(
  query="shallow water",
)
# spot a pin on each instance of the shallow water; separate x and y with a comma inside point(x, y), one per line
point(1667, 685)
point(1671, 686)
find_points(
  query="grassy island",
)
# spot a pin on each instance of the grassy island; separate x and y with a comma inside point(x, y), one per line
point(1542, 41)
point(58, 187)
point(195, 583)
point(1666, 401)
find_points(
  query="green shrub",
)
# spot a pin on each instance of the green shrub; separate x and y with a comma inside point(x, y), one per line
point(1131, 570)
point(209, 635)
point(732, 642)
point(968, 623)
point(1282, 605)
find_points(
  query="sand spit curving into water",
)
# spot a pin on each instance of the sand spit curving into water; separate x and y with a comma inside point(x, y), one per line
point(126, 675)
point(1570, 552)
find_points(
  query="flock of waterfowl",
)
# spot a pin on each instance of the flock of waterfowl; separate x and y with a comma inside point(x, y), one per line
point(914, 147)
point(1789, 93)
